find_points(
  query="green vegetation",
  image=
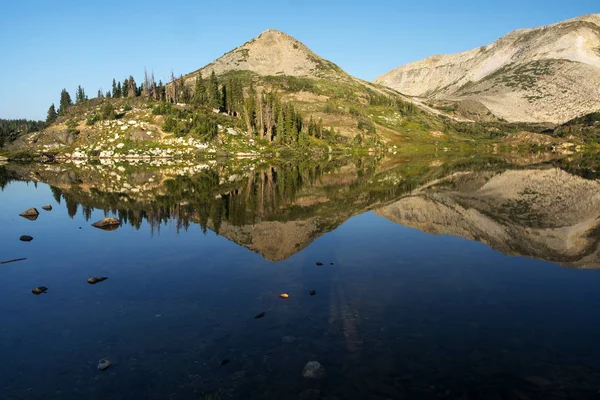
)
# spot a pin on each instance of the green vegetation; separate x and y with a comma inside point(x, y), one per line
point(585, 128)
point(10, 129)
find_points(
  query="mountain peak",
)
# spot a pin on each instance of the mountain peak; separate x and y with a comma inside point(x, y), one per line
point(545, 74)
point(274, 53)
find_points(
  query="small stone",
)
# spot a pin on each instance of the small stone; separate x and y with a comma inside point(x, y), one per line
point(26, 238)
point(288, 339)
point(96, 279)
point(262, 314)
point(225, 361)
point(284, 296)
point(313, 370)
point(319, 263)
point(30, 213)
point(108, 224)
point(312, 292)
point(39, 290)
point(104, 364)
point(47, 207)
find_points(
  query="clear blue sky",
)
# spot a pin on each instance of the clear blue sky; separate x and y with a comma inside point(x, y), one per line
point(49, 45)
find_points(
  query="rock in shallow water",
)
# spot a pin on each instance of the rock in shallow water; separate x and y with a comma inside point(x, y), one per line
point(32, 212)
point(96, 279)
point(47, 207)
point(39, 290)
point(108, 224)
point(104, 364)
point(313, 370)
point(26, 238)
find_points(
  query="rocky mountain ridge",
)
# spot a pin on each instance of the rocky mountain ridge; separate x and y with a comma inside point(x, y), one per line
point(545, 74)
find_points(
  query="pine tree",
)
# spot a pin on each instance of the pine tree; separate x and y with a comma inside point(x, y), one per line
point(100, 94)
point(214, 96)
point(224, 99)
point(182, 89)
point(199, 98)
point(115, 92)
point(162, 91)
point(65, 101)
point(132, 90)
point(52, 115)
point(280, 138)
point(80, 96)
point(250, 110)
point(119, 91)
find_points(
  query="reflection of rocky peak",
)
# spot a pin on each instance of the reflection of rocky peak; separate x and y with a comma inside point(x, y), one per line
point(547, 214)
point(274, 240)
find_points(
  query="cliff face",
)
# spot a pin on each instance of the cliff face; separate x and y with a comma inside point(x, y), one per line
point(546, 74)
point(546, 214)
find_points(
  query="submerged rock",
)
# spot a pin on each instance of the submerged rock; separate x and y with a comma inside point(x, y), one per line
point(13, 260)
point(47, 207)
point(225, 361)
point(39, 290)
point(262, 314)
point(31, 214)
point(107, 224)
point(104, 364)
point(26, 238)
point(312, 292)
point(288, 339)
point(96, 279)
point(313, 370)
point(319, 263)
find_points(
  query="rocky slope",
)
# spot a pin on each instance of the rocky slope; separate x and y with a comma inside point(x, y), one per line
point(320, 89)
point(514, 212)
point(545, 74)
point(275, 53)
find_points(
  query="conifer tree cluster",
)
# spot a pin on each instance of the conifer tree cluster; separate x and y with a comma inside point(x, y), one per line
point(262, 113)
point(10, 129)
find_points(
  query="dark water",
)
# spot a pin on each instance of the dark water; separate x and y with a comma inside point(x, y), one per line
point(500, 300)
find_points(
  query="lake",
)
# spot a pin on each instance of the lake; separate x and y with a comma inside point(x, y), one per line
point(418, 277)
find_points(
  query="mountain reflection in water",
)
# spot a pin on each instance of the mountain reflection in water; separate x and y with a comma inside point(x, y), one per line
point(384, 290)
point(545, 210)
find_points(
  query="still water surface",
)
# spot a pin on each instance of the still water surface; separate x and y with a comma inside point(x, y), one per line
point(439, 280)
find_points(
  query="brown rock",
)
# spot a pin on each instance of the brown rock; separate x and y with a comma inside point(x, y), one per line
point(107, 224)
point(39, 290)
point(31, 214)
point(96, 279)
point(26, 238)
point(47, 207)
